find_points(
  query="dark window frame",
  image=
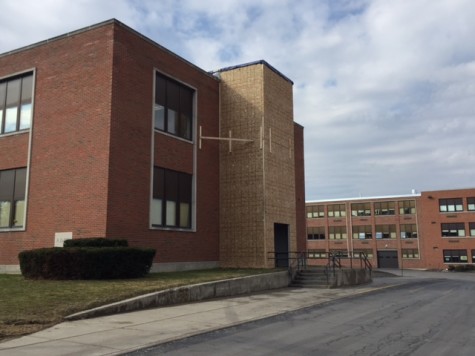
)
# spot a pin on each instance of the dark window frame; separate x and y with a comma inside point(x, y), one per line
point(385, 231)
point(23, 97)
point(408, 231)
point(407, 207)
point(453, 229)
point(315, 211)
point(471, 203)
point(450, 205)
point(362, 232)
point(316, 233)
point(173, 190)
point(175, 101)
point(361, 209)
point(12, 192)
point(455, 256)
point(384, 208)
point(338, 232)
point(336, 210)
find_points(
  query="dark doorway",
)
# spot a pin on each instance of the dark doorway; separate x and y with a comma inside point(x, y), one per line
point(387, 259)
point(281, 245)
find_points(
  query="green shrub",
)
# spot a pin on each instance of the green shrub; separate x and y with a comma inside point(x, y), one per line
point(86, 262)
point(95, 242)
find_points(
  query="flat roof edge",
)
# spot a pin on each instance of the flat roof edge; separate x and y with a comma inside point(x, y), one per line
point(260, 61)
point(415, 195)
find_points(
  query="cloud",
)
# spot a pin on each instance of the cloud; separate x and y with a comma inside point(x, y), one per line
point(384, 89)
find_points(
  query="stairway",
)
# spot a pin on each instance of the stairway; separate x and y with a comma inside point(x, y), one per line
point(310, 278)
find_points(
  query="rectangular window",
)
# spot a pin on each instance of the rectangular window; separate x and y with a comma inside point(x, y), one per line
point(336, 210)
point(359, 253)
point(16, 103)
point(453, 230)
point(361, 209)
point(315, 211)
point(407, 207)
point(410, 253)
point(318, 254)
point(173, 110)
point(171, 203)
point(450, 205)
point(455, 256)
point(385, 208)
point(471, 227)
point(473, 256)
point(316, 233)
point(337, 232)
point(408, 231)
point(385, 231)
point(471, 204)
point(362, 232)
point(12, 198)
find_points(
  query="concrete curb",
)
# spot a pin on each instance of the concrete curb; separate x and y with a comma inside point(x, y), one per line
point(191, 293)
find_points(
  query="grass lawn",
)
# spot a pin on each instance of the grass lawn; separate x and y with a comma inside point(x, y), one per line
point(27, 306)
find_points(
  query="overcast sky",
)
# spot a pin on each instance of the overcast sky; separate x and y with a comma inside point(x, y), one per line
point(385, 89)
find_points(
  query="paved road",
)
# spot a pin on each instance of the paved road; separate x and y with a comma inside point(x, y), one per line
point(432, 316)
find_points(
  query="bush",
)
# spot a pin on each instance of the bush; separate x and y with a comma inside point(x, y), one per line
point(86, 262)
point(95, 242)
point(450, 267)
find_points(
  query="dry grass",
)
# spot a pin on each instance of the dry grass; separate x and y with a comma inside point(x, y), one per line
point(27, 306)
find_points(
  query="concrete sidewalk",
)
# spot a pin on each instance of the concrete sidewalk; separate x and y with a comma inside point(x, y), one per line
point(117, 334)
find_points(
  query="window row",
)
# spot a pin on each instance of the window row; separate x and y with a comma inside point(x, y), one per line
point(458, 256)
point(406, 207)
point(455, 205)
point(172, 197)
point(16, 103)
point(12, 198)
point(173, 110)
point(457, 229)
point(363, 232)
point(323, 254)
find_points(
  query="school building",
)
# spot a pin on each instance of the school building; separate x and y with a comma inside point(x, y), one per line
point(427, 230)
point(105, 133)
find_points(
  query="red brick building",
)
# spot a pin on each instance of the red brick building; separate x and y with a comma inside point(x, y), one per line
point(430, 230)
point(105, 133)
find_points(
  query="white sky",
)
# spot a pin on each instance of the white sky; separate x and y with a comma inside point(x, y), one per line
point(385, 89)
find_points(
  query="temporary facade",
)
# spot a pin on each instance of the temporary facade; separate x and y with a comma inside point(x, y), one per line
point(428, 230)
point(105, 133)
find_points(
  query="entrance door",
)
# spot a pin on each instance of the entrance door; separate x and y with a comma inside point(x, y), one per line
point(281, 245)
point(387, 259)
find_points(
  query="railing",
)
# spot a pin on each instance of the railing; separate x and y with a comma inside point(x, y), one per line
point(335, 262)
point(294, 261)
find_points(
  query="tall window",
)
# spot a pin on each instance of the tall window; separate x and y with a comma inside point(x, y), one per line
point(171, 204)
point(316, 233)
point(315, 211)
point(408, 231)
point(336, 210)
point(337, 232)
point(384, 208)
point(471, 204)
point(362, 232)
point(453, 230)
point(450, 205)
point(407, 207)
point(12, 198)
point(15, 103)
point(173, 111)
point(455, 256)
point(361, 209)
point(471, 226)
point(385, 231)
